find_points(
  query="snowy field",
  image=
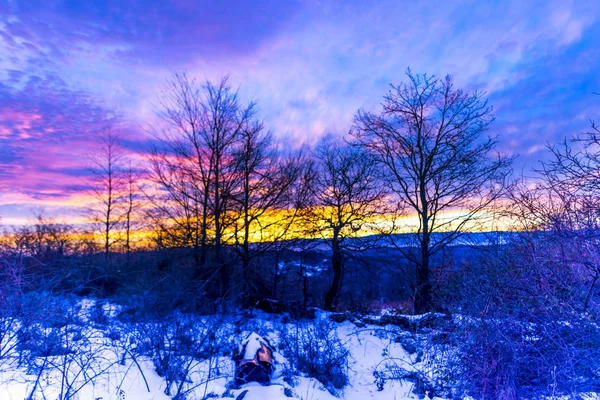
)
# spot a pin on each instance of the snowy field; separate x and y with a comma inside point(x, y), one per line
point(92, 353)
point(95, 350)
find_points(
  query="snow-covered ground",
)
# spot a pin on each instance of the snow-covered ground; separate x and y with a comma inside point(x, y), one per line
point(93, 350)
point(112, 360)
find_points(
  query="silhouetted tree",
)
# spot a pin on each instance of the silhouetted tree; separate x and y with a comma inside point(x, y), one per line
point(181, 168)
point(195, 164)
point(430, 140)
point(131, 206)
point(262, 208)
point(108, 186)
point(348, 196)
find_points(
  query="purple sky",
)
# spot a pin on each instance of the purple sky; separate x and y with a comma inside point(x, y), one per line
point(67, 68)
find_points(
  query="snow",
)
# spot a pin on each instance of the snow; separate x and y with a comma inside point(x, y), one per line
point(124, 382)
point(257, 392)
point(121, 375)
point(253, 343)
point(368, 349)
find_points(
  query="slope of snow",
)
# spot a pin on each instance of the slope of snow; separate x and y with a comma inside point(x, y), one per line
point(116, 374)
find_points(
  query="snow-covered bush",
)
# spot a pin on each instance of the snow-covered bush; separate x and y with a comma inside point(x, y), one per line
point(510, 359)
point(314, 348)
point(186, 350)
point(502, 358)
point(58, 352)
point(12, 282)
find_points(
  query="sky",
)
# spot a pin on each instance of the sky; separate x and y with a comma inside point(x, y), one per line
point(70, 68)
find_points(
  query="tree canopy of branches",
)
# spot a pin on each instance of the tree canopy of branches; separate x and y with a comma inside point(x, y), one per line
point(431, 140)
point(564, 206)
point(218, 173)
point(347, 196)
point(108, 187)
point(263, 205)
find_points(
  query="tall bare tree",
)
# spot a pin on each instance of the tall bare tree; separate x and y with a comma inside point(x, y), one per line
point(131, 206)
point(195, 162)
point(181, 168)
point(348, 196)
point(108, 183)
point(226, 118)
point(431, 141)
point(263, 207)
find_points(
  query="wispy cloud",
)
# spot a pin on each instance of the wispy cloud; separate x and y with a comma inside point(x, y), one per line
point(69, 68)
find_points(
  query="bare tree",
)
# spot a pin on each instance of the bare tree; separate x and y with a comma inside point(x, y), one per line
point(348, 197)
point(564, 205)
point(262, 209)
point(195, 163)
point(181, 168)
point(131, 206)
point(431, 141)
point(225, 120)
point(108, 184)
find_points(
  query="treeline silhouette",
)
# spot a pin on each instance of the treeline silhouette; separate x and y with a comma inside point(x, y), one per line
point(220, 211)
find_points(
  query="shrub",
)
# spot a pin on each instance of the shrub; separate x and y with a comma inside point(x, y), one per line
point(508, 358)
point(181, 346)
point(315, 349)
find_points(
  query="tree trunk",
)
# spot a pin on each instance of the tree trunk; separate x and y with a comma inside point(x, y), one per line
point(248, 284)
point(304, 284)
point(198, 247)
point(107, 240)
point(204, 232)
point(423, 300)
point(128, 230)
point(336, 264)
point(276, 276)
point(247, 273)
point(423, 285)
point(221, 265)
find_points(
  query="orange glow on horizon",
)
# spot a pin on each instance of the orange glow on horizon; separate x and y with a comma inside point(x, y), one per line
point(275, 221)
